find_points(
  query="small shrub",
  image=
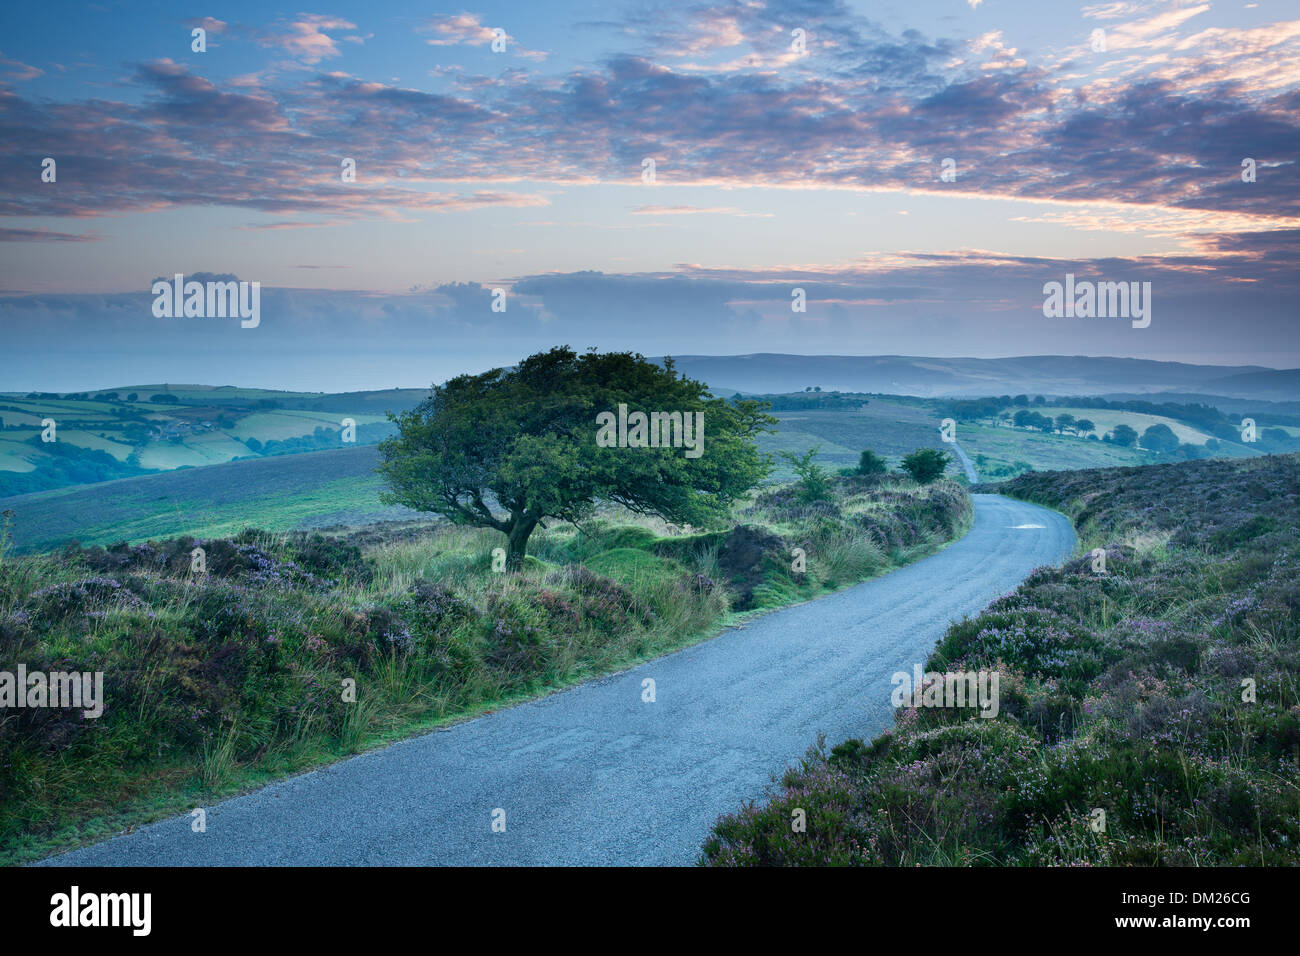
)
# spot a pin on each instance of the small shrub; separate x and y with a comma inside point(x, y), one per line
point(925, 464)
point(870, 464)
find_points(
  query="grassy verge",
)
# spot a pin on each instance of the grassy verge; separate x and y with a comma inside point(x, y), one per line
point(1149, 705)
point(222, 681)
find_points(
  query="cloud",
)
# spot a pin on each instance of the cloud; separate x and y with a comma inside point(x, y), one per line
point(17, 71)
point(212, 25)
point(44, 235)
point(1110, 11)
point(305, 39)
point(1003, 56)
point(695, 210)
point(175, 149)
point(465, 29)
point(866, 109)
point(1153, 31)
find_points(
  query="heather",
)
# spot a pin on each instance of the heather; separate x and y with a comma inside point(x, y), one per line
point(290, 650)
point(1158, 687)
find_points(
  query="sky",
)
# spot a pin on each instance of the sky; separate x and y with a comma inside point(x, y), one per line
point(658, 177)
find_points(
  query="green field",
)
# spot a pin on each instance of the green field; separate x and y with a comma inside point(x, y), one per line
point(999, 451)
point(87, 439)
point(1107, 418)
point(290, 423)
point(14, 456)
point(279, 494)
point(99, 437)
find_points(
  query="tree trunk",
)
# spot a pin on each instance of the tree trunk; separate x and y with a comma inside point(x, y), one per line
point(517, 542)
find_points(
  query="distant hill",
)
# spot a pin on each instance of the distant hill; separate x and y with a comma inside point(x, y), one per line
point(397, 399)
point(1033, 374)
point(1278, 385)
point(1279, 411)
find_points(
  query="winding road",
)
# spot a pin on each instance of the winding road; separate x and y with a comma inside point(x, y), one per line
point(594, 775)
point(967, 465)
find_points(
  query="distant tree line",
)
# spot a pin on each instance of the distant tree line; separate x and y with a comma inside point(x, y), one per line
point(320, 439)
point(812, 398)
point(1158, 438)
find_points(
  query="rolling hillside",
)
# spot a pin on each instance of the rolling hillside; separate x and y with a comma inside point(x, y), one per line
point(1042, 374)
point(310, 490)
point(203, 460)
point(135, 431)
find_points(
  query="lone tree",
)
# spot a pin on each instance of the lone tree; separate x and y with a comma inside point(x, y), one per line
point(925, 464)
point(511, 448)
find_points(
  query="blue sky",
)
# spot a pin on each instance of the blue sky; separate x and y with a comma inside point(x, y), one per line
point(775, 167)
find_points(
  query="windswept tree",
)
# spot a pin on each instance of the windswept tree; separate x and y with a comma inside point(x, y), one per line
point(511, 448)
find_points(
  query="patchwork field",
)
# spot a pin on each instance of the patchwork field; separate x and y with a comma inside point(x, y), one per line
point(110, 435)
point(892, 426)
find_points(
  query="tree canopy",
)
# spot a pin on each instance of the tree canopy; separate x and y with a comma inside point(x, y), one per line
point(1160, 438)
point(1123, 435)
point(511, 448)
point(926, 464)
